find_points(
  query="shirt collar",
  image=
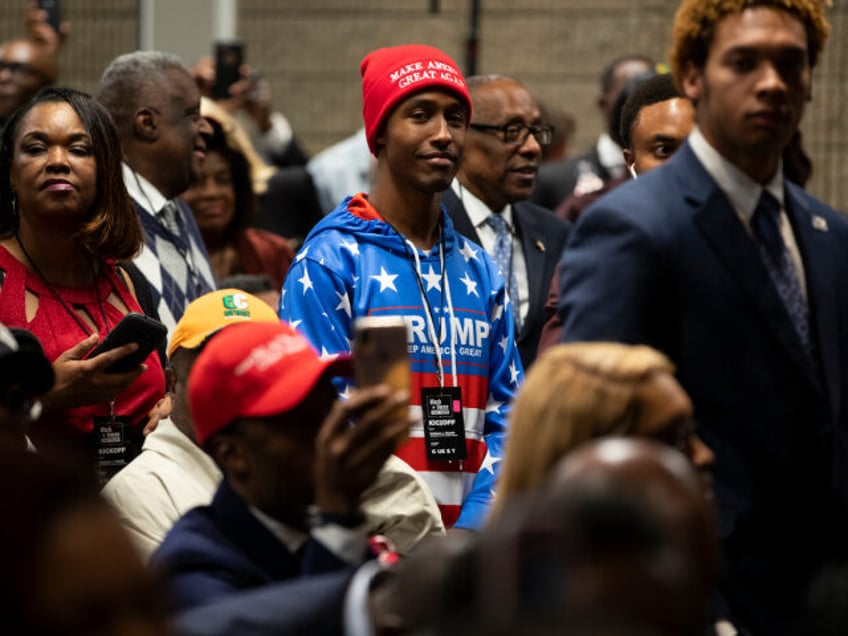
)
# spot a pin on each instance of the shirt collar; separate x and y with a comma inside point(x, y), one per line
point(478, 211)
point(744, 193)
point(144, 192)
point(609, 154)
point(288, 536)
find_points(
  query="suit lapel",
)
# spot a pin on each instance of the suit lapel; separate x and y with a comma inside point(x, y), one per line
point(253, 539)
point(718, 221)
point(461, 221)
point(534, 251)
point(811, 234)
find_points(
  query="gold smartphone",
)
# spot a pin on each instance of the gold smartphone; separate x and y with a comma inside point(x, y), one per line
point(380, 352)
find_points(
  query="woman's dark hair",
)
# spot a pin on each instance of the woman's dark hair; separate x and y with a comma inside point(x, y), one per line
point(112, 230)
point(245, 202)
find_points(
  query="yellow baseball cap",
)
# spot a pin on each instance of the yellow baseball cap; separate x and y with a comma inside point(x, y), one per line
point(213, 311)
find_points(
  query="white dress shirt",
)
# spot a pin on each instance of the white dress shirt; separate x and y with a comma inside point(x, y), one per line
point(478, 212)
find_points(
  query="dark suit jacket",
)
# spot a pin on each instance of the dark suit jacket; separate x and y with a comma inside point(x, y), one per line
point(311, 606)
point(216, 550)
point(665, 261)
point(556, 179)
point(290, 205)
point(543, 238)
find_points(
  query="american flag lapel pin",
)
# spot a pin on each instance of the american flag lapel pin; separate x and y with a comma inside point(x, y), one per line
point(819, 223)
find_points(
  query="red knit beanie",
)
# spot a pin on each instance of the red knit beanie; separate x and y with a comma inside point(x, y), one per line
point(392, 74)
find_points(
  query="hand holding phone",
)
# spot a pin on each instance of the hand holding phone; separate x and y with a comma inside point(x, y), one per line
point(380, 354)
point(133, 327)
point(229, 56)
point(54, 13)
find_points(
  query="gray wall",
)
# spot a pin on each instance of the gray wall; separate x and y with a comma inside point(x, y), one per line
point(310, 51)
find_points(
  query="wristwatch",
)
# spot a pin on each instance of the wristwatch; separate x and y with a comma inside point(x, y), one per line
point(316, 517)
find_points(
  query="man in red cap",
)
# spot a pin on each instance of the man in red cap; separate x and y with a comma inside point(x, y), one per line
point(294, 468)
point(394, 252)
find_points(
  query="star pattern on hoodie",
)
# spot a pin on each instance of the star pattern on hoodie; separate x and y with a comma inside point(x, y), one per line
point(468, 252)
point(305, 281)
point(434, 280)
point(470, 285)
point(352, 247)
point(489, 463)
point(498, 312)
point(504, 343)
point(344, 303)
point(513, 373)
point(386, 280)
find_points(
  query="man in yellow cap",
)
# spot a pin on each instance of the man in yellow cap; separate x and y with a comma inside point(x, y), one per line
point(173, 474)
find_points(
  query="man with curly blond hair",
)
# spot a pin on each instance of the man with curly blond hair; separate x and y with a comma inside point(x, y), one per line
point(741, 279)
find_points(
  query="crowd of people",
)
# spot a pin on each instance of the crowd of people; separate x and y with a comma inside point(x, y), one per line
point(626, 410)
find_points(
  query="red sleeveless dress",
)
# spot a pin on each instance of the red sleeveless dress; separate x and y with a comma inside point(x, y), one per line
point(58, 332)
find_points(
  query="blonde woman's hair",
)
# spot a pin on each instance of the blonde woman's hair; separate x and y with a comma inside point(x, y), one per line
point(573, 393)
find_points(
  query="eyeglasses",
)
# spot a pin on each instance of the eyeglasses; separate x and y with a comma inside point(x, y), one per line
point(517, 132)
point(17, 68)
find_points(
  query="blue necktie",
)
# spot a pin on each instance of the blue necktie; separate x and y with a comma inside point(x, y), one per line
point(781, 269)
point(503, 257)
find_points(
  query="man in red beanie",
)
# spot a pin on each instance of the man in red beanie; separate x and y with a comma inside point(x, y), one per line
point(264, 408)
point(394, 252)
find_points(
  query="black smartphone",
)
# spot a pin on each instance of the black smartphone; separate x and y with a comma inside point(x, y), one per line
point(229, 56)
point(133, 327)
point(54, 12)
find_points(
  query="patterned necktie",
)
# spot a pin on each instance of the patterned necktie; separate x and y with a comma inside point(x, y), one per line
point(181, 265)
point(778, 262)
point(169, 217)
point(503, 257)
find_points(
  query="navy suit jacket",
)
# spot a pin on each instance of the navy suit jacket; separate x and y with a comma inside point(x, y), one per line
point(311, 606)
point(543, 238)
point(665, 261)
point(216, 550)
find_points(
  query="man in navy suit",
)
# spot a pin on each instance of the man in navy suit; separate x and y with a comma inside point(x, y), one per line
point(502, 153)
point(265, 409)
point(741, 278)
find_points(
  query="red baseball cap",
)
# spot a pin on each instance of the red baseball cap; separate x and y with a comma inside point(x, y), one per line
point(254, 369)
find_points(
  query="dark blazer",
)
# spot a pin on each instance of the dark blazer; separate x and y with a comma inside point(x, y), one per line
point(216, 550)
point(311, 606)
point(665, 261)
point(557, 179)
point(543, 238)
point(289, 207)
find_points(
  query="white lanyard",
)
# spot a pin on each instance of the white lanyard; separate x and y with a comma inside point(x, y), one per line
point(431, 326)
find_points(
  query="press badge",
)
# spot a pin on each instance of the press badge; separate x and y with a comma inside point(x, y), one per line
point(116, 445)
point(444, 428)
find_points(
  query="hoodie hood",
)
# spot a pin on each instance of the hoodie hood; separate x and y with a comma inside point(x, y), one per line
point(355, 215)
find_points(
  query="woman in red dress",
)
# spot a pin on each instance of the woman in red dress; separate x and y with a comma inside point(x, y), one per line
point(65, 220)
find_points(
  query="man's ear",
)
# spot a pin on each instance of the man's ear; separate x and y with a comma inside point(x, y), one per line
point(228, 452)
point(629, 159)
point(170, 379)
point(145, 124)
point(692, 81)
